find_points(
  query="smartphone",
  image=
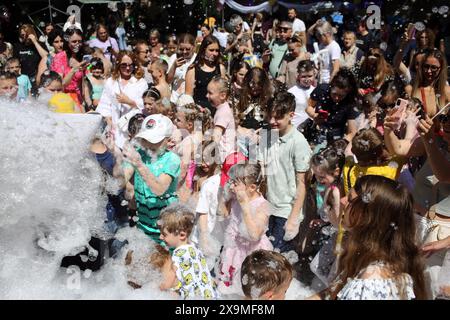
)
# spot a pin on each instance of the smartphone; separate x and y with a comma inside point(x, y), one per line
point(400, 111)
point(411, 31)
point(87, 57)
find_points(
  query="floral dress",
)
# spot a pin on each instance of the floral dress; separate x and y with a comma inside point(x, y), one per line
point(377, 288)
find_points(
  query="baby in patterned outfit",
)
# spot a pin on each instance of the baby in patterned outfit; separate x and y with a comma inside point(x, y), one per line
point(189, 275)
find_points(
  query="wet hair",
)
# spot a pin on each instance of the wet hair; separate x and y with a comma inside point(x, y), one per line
point(260, 76)
point(282, 103)
point(194, 115)
point(48, 77)
point(134, 125)
point(328, 160)
point(368, 146)
point(264, 271)
point(6, 75)
point(381, 228)
point(305, 66)
point(177, 218)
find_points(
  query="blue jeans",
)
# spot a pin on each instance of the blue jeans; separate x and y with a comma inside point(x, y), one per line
point(276, 234)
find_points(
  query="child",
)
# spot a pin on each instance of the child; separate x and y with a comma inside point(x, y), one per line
point(247, 224)
point(327, 166)
point(8, 85)
point(192, 278)
point(158, 69)
point(224, 125)
point(380, 259)
point(302, 90)
point(372, 158)
point(286, 160)
point(13, 65)
point(190, 119)
point(150, 98)
point(51, 83)
point(93, 84)
point(265, 275)
point(208, 231)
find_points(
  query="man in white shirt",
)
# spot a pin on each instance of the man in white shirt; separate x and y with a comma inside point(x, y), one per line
point(297, 24)
point(329, 58)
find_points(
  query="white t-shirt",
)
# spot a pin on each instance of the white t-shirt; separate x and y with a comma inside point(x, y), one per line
point(108, 105)
point(331, 52)
point(301, 102)
point(298, 26)
point(222, 37)
point(225, 119)
point(179, 79)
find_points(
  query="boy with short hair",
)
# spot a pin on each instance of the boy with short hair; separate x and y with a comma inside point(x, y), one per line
point(8, 85)
point(158, 69)
point(285, 160)
point(266, 275)
point(13, 66)
point(302, 90)
point(192, 277)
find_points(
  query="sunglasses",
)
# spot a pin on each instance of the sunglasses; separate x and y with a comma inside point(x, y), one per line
point(433, 68)
point(126, 65)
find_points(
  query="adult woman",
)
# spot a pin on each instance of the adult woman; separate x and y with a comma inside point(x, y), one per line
point(241, 41)
point(179, 64)
point(29, 51)
point(332, 108)
point(105, 42)
point(380, 259)
point(55, 40)
point(207, 64)
point(156, 46)
point(430, 85)
point(425, 40)
point(49, 27)
point(70, 66)
point(122, 93)
point(374, 72)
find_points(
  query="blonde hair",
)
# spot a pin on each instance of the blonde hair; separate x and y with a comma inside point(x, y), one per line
point(177, 218)
point(192, 114)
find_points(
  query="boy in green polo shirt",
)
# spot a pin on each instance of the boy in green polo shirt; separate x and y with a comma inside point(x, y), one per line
point(285, 160)
point(156, 171)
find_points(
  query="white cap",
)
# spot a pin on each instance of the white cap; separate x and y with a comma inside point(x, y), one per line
point(155, 128)
point(184, 99)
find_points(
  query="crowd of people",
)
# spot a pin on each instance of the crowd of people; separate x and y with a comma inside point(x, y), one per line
point(238, 146)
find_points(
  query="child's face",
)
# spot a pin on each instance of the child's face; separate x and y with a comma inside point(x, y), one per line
point(240, 75)
point(97, 73)
point(155, 72)
point(171, 48)
point(8, 87)
point(281, 123)
point(54, 87)
point(323, 177)
point(149, 106)
point(14, 67)
point(180, 121)
point(171, 239)
point(214, 95)
point(306, 78)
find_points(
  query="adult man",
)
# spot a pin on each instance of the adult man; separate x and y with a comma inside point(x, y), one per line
point(277, 49)
point(297, 24)
point(365, 38)
point(351, 54)
point(142, 51)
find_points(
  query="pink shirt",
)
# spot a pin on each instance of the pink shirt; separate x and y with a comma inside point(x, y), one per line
point(60, 64)
point(224, 118)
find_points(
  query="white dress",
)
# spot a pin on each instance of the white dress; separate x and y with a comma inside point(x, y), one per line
point(376, 288)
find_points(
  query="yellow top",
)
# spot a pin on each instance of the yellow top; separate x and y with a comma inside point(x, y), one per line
point(61, 103)
point(353, 171)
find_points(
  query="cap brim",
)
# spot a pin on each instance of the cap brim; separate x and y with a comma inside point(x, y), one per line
point(152, 138)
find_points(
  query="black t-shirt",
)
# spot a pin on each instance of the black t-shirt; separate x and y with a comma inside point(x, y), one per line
point(29, 59)
point(367, 41)
point(338, 113)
